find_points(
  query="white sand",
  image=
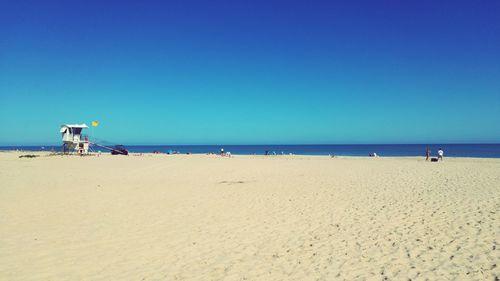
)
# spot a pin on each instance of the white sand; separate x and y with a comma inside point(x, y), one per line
point(199, 217)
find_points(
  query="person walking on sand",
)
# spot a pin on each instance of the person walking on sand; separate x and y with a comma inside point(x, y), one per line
point(427, 154)
point(222, 151)
point(440, 154)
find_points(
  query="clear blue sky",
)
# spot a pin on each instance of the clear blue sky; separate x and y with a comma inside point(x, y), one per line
point(251, 72)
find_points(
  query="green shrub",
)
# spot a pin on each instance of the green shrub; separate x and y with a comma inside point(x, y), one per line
point(29, 156)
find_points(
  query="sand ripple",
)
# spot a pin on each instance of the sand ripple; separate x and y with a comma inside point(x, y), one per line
point(248, 218)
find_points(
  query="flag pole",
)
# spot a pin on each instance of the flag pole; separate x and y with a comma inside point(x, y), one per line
point(94, 124)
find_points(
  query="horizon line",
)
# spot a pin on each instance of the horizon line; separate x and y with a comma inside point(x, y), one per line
point(284, 144)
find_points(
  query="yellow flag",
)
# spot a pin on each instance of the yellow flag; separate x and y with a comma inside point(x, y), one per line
point(95, 123)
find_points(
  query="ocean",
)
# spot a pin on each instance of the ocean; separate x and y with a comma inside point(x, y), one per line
point(453, 150)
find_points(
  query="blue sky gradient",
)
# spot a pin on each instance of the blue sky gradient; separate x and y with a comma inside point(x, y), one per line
point(251, 72)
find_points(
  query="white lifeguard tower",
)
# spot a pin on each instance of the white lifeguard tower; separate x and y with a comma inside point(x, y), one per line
point(72, 138)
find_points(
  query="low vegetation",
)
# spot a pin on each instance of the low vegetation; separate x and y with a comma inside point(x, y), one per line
point(29, 156)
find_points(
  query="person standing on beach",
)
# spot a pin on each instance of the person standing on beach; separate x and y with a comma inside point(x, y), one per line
point(222, 151)
point(440, 154)
point(427, 154)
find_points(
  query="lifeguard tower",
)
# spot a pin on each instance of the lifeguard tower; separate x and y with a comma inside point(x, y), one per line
point(72, 138)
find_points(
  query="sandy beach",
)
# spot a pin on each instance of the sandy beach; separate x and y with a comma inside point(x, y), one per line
point(206, 217)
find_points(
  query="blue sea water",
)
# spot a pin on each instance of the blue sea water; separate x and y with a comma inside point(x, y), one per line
point(453, 150)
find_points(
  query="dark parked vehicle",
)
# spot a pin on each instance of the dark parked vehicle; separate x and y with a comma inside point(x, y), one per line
point(119, 150)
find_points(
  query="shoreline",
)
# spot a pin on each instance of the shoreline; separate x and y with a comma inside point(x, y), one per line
point(382, 150)
point(135, 154)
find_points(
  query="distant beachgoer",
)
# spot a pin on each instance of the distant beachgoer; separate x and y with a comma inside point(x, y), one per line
point(440, 154)
point(427, 154)
point(222, 151)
